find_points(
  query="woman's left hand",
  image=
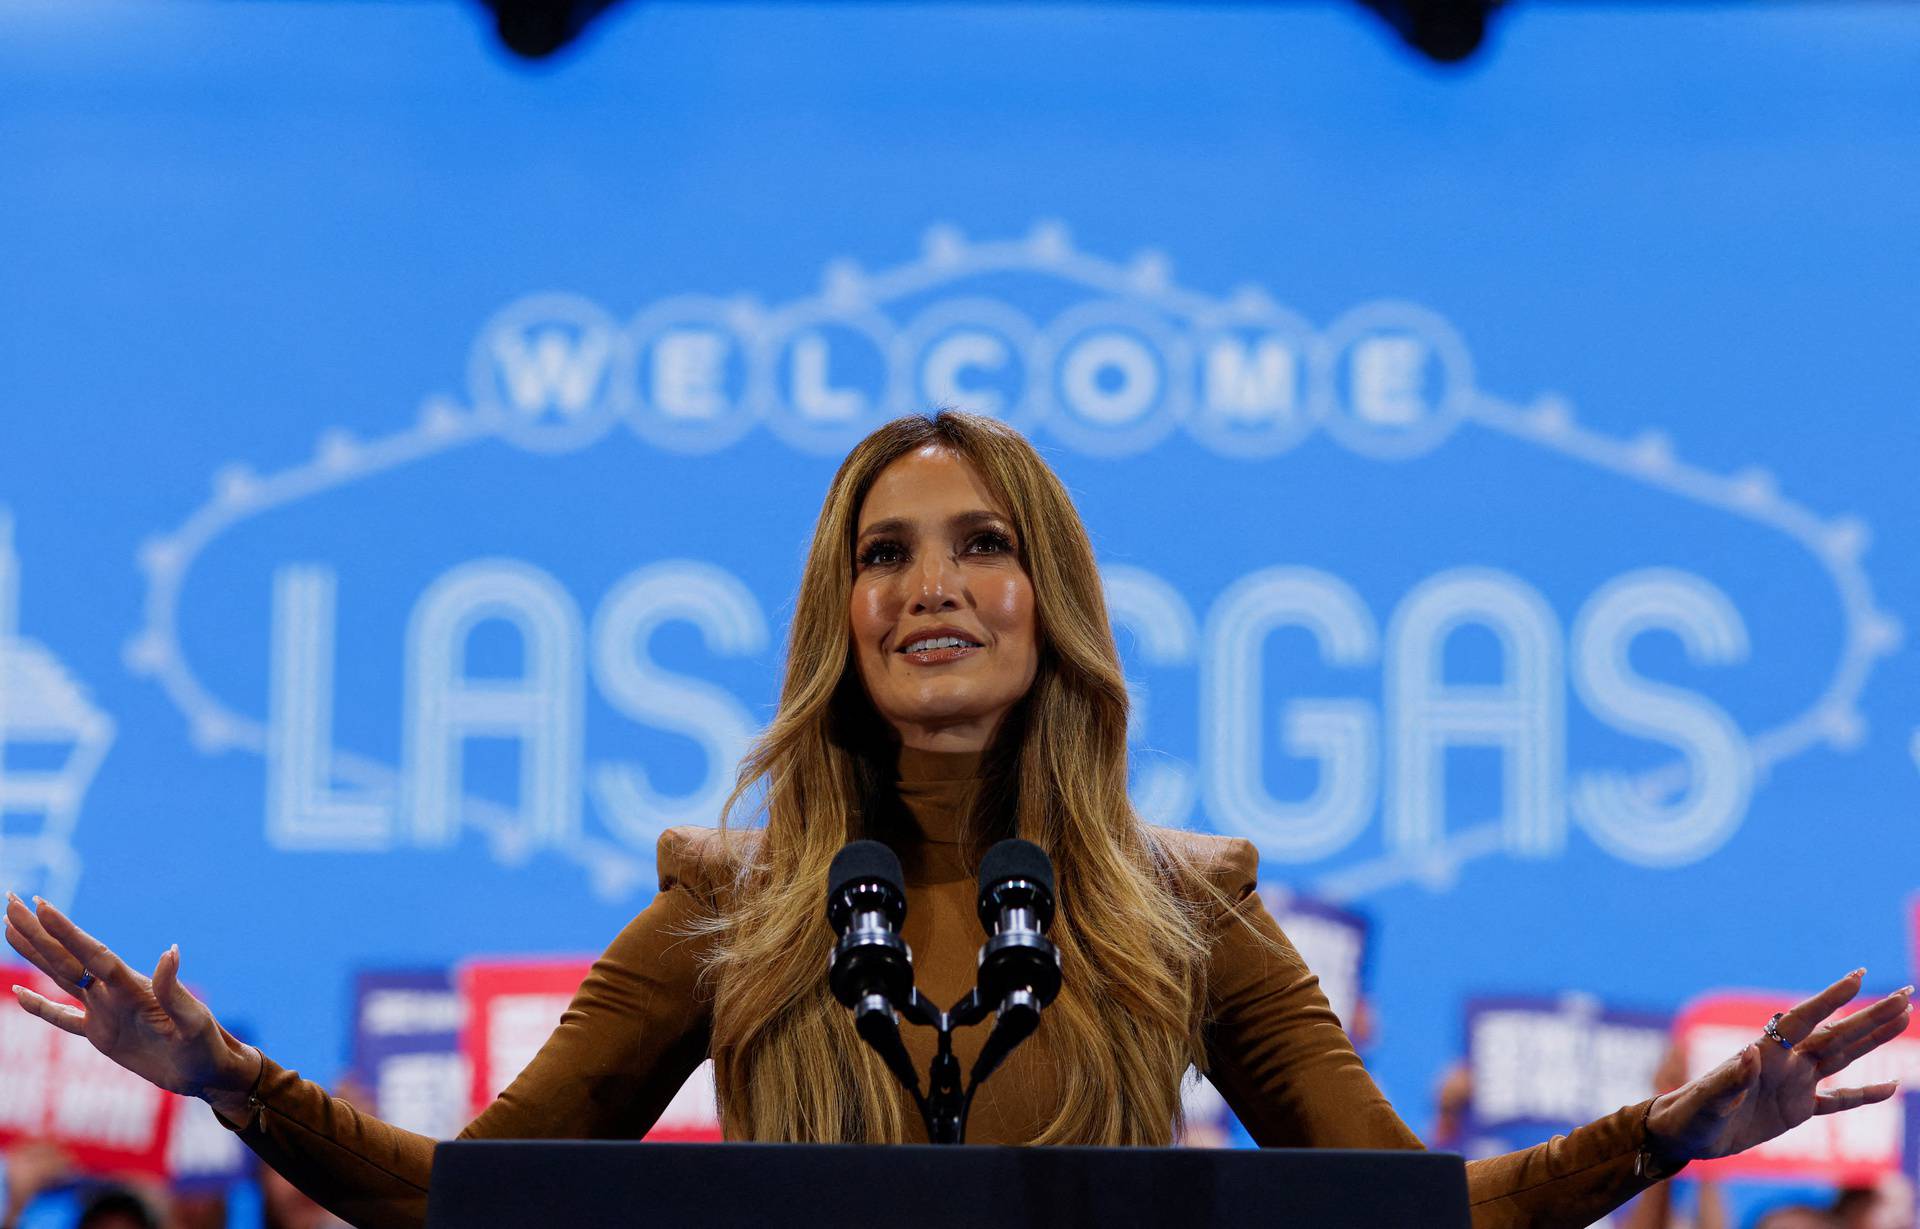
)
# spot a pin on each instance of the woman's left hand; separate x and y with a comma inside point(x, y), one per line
point(1767, 1089)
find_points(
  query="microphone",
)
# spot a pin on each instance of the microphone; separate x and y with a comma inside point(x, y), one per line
point(1019, 967)
point(866, 904)
point(1016, 907)
point(871, 969)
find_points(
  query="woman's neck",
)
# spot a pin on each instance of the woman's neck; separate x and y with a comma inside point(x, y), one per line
point(917, 765)
point(936, 790)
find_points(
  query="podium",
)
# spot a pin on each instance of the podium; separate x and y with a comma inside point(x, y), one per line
point(520, 1184)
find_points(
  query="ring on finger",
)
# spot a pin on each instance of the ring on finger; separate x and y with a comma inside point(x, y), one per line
point(1772, 1031)
point(86, 979)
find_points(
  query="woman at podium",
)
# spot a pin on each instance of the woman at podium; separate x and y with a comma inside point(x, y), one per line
point(950, 679)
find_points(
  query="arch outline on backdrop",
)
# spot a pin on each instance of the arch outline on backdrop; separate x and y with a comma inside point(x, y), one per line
point(850, 294)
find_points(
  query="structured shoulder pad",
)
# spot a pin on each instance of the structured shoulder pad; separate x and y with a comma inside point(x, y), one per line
point(1229, 864)
point(705, 861)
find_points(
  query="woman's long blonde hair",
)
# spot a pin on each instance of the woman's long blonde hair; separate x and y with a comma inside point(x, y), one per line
point(788, 1064)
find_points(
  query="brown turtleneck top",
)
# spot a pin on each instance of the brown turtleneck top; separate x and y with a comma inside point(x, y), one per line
point(638, 1027)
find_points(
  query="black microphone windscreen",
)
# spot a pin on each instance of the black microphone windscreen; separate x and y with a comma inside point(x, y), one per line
point(1016, 859)
point(864, 860)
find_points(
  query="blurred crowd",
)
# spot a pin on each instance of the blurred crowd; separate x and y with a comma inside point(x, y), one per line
point(45, 1189)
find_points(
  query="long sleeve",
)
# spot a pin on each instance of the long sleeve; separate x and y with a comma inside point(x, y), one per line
point(634, 1031)
point(1278, 1055)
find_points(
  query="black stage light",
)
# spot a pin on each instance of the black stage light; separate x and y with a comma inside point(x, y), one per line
point(535, 29)
point(1444, 30)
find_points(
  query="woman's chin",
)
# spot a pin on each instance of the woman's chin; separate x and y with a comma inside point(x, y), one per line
point(949, 715)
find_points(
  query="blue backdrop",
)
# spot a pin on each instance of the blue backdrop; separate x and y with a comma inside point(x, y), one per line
point(1505, 476)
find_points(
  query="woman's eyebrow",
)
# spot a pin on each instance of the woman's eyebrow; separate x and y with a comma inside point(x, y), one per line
point(961, 520)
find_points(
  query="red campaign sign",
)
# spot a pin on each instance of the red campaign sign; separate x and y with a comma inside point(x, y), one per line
point(512, 1006)
point(60, 1088)
point(1856, 1147)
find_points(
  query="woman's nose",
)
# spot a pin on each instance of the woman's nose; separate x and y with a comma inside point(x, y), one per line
point(936, 584)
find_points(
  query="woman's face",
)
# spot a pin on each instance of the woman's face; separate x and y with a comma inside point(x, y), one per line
point(942, 616)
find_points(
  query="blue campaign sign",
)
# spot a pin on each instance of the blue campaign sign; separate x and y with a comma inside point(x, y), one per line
point(1910, 1136)
point(1542, 1066)
point(406, 1048)
point(1503, 476)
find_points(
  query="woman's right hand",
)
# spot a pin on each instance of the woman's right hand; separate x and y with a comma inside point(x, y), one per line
point(151, 1026)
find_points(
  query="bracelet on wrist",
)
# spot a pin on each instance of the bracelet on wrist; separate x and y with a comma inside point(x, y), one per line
point(1653, 1163)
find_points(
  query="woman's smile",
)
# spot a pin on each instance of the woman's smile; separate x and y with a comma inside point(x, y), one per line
point(938, 646)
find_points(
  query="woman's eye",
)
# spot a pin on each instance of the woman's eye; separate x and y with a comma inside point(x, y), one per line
point(990, 543)
point(887, 552)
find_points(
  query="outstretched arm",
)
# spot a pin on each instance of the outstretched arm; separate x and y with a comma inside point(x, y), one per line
point(630, 1037)
point(358, 1167)
point(1281, 1059)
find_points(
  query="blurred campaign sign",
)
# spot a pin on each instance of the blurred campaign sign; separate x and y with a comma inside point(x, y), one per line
point(1855, 1148)
point(58, 1087)
point(1333, 942)
point(1545, 1065)
point(512, 1006)
point(203, 1155)
point(406, 1048)
point(1913, 906)
point(1910, 1137)
point(510, 1009)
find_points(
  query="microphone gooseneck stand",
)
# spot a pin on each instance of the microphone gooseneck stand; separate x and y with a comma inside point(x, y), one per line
point(871, 970)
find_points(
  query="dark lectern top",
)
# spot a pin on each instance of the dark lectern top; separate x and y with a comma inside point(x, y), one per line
point(505, 1184)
